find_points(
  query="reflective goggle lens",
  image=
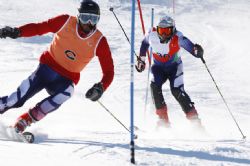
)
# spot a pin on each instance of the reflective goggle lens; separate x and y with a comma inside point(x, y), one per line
point(86, 18)
point(167, 31)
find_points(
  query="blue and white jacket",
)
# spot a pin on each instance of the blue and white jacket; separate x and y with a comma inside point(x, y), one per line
point(165, 53)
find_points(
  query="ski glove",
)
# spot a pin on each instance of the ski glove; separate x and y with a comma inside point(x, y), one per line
point(198, 51)
point(9, 32)
point(95, 92)
point(140, 66)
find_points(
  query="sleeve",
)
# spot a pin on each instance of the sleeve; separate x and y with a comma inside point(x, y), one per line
point(144, 47)
point(185, 43)
point(52, 25)
point(145, 44)
point(104, 55)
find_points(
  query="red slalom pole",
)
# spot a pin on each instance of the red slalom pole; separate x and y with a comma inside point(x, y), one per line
point(141, 17)
point(143, 27)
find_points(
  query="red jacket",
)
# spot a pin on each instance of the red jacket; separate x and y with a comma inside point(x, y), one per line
point(54, 25)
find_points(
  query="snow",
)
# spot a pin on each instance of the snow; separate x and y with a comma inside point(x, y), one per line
point(82, 132)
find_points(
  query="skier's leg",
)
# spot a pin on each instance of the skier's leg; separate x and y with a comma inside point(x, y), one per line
point(60, 92)
point(22, 122)
point(26, 90)
point(177, 89)
point(185, 102)
point(158, 99)
point(156, 92)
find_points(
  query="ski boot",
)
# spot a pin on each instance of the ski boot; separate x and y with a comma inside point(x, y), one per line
point(192, 115)
point(22, 122)
point(163, 116)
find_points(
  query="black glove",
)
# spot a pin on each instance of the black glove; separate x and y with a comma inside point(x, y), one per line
point(140, 66)
point(95, 92)
point(198, 51)
point(9, 32)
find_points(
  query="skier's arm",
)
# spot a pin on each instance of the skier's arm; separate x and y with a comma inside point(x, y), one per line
point(144, 47)
point(145, 43)
point(185, 43)
point(104, 55)
point(194, 49)
point(52, 25)
point(105, 58)
point(140, 65)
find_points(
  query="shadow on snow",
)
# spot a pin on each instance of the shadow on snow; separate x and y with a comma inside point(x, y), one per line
point(160, 150)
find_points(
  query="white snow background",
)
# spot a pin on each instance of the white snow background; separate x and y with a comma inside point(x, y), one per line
point(81, 132)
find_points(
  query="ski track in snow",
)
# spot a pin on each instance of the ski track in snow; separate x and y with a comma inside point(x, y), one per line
point(83, 133)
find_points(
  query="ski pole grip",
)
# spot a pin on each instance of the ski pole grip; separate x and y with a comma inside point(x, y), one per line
point(111, 9)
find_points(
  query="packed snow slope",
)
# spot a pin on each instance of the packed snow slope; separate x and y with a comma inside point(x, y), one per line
point(81, 132)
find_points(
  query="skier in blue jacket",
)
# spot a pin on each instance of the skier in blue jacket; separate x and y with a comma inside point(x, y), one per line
point(166, 42)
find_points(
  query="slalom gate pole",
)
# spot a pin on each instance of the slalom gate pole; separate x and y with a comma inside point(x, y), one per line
point(135, 136)
point(149, 68)
point(143, 27)
point(204, 62)
point(132, 143)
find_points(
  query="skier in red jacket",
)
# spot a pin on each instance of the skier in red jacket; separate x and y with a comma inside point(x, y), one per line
point(75, 43)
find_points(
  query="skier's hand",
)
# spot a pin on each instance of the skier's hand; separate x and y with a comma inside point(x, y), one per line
point(95, 92)
point(140, 66)
point(198, 51)
point(9, 32)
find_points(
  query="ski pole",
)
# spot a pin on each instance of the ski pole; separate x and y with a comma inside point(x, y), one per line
point(204, 62)
point(135, 136)
point(112, 10)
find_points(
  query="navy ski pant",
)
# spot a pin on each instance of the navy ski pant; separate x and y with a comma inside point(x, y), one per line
point(59, 89)
point(173, 72)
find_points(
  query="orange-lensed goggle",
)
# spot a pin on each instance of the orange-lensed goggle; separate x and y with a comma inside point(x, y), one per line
point(167, 30)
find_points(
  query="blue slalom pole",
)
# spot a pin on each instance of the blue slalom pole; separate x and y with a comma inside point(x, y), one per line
point(132, 143)
point(149, 68)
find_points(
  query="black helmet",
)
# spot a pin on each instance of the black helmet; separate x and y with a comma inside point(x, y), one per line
point(89, 6)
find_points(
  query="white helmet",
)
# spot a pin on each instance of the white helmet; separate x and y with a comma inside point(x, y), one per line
point(166, 21)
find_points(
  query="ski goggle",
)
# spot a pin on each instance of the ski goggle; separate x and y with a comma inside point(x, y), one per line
point(168, 30)
point(85, 18)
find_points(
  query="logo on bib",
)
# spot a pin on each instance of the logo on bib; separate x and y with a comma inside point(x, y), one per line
point(70, 54)
point(166, 56)
point(162, 57)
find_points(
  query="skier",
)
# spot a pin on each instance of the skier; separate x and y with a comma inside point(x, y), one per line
point(166, 42)
point(76, 41)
